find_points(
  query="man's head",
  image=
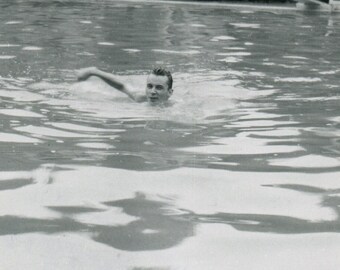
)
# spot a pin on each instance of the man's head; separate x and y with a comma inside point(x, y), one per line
point(159, 85)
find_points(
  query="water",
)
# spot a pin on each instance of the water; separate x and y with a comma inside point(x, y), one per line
point(241, 172)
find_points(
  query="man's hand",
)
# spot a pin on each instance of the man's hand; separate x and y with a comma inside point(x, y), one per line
point(85, 73)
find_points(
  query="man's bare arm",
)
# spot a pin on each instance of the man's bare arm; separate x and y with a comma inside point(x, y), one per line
point(110, 79)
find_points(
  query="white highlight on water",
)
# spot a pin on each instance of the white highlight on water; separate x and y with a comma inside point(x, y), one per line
point(32, 48)
point(20, 113)
point(9, 45)
point(106, 43)
point(222, 38)
point(234, 54)
point(295, 57)
point(131, 50)
point(197, 25)
point(177, 52)
point(77, 127)
point(246, 25)
point(309, 161)
point(95, 145)
point(50, 132)
point(16, 138)
point(13, 22)
point(4, 57)
point(297, 79)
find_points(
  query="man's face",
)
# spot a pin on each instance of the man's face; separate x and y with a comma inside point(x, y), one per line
point(157, 89)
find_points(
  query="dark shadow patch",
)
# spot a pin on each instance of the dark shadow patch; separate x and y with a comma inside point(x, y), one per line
point(271, 223)
point(14, 184)
point(159, 227)
point(302, 188)
point(20, 225)
point(72, 210)
point(154, 230)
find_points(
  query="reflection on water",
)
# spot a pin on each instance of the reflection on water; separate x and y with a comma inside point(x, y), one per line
point(248, 149)
point(158, 226)
point(152, 231)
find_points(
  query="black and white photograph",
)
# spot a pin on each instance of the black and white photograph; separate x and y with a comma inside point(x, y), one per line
point(169, 135)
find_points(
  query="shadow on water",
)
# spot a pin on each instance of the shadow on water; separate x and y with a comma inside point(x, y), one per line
point(155, 228)
point(160, 226)
point(14, 184)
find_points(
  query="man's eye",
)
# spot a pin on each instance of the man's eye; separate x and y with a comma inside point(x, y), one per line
point(149, 86)
point(159, 87)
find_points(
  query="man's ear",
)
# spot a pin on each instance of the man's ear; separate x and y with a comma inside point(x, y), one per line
point(170, 91)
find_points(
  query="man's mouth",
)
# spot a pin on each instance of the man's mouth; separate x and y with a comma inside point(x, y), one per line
point(153, 99)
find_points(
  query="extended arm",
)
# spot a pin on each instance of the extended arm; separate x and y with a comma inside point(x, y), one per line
point(110, 79)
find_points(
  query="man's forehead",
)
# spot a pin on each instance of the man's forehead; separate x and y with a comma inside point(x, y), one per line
point(159, 79)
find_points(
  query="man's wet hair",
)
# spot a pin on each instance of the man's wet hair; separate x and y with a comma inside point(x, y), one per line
point(163, 72)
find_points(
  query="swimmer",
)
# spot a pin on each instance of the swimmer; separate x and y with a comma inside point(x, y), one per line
point(158, 84)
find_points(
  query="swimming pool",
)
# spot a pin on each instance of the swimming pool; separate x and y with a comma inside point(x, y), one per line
point(241, 172)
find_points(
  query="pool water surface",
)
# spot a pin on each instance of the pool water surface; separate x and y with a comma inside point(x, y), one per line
point(241, 171)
